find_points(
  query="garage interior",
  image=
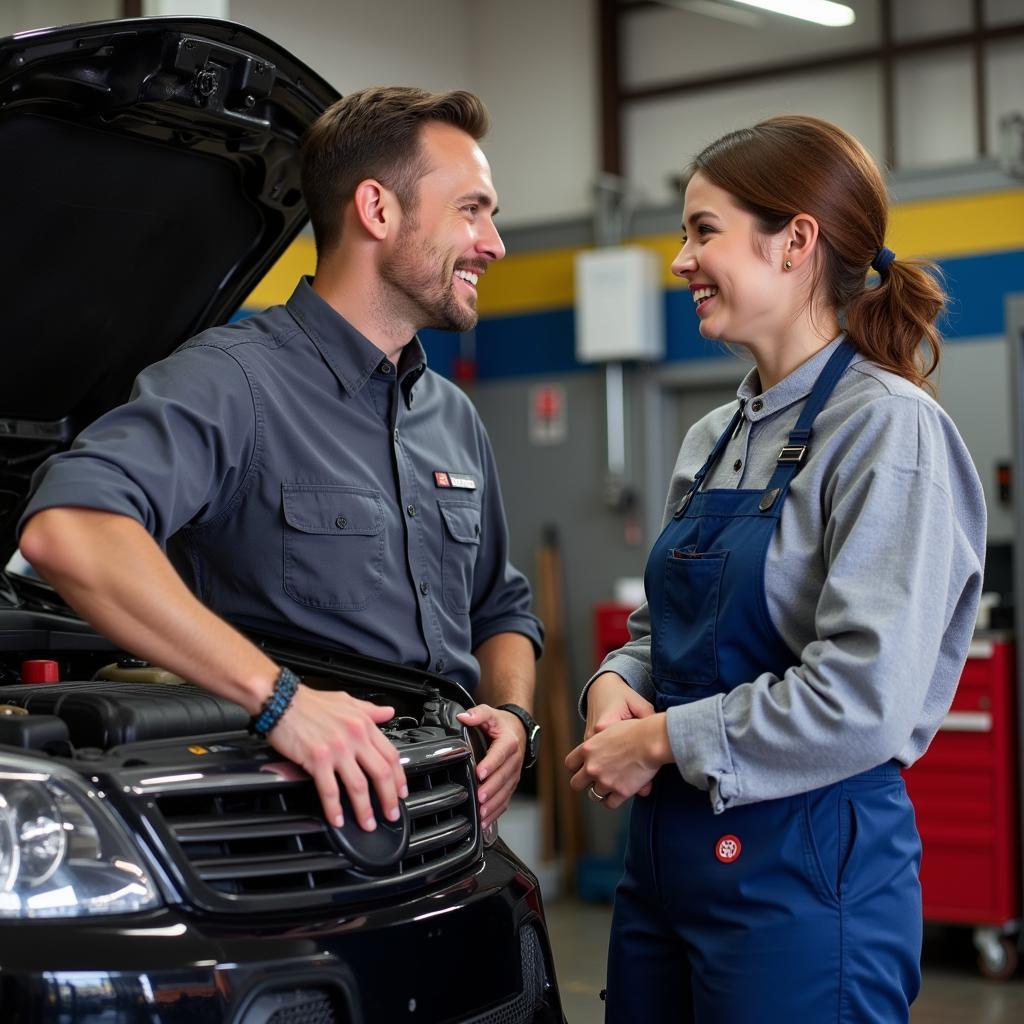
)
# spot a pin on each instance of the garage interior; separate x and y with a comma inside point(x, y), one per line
point(596, 105)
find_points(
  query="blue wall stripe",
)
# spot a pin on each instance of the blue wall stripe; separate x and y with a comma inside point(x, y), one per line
point(543, 344)
point(442, 348)
point(978, 287)
point(537, 343)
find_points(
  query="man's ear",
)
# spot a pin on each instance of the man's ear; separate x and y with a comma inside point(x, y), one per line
point(374, 207)
point(800, 239)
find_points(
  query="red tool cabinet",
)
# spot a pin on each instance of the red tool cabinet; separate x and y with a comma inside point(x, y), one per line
point(965, 794)
point(610, 629)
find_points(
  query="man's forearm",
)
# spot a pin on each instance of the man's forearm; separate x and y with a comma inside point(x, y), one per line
point(112, 572)
point(508, 670)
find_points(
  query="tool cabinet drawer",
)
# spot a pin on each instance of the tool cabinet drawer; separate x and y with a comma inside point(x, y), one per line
point(611, 628)
point(964, 791)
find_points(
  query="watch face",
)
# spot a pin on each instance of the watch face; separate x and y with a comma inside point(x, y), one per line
point(532, 742)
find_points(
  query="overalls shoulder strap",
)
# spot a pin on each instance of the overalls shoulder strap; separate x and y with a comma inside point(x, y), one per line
point(716, 454)
point(792, 455)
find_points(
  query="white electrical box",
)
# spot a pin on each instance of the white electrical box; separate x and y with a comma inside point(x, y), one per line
point(619, 305)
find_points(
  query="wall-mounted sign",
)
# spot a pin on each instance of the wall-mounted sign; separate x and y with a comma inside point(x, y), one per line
point(548, 415)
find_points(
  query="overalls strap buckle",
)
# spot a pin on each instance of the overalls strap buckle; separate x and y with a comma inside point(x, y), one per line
point(792, 453)
point(684, 504)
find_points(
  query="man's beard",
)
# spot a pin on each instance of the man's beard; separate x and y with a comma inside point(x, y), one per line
point(424, 285)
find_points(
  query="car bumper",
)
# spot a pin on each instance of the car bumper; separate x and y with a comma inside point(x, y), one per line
point(474, 949)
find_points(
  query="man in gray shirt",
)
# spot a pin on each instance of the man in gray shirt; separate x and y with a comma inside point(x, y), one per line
point(307, 474)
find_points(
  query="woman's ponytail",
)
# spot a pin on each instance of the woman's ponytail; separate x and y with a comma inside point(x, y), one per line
point(893, 322)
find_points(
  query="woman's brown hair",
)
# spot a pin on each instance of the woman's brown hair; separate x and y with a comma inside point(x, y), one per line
point(797, 164)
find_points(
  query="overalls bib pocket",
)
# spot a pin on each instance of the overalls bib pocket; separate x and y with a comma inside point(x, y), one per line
point(685, 644)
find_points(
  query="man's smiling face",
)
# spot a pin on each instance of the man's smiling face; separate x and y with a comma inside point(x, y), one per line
point(447, 240)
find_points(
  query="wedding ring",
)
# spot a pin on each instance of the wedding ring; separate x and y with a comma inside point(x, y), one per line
point(594, 795)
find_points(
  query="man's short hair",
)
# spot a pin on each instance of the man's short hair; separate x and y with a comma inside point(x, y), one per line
point(375, 133)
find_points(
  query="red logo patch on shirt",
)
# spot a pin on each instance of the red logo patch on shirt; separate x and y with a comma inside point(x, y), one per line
point(461, 481)
point(727, 849)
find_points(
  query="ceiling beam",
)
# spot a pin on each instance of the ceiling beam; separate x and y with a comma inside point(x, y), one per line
point(610, 86)
point(978, 38)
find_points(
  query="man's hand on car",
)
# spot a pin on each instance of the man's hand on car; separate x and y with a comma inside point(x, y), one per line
point(499, 771)
point(336, 736)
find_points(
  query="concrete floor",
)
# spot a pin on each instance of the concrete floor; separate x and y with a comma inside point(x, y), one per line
point(952, 991)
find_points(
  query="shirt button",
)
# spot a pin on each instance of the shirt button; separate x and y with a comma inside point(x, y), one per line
point(341, 522)
point(439, 665)
point(396, 435)
point(385, 367)
point(757, 405)
point(424, 587)
point(737, 464)
point(411, 509)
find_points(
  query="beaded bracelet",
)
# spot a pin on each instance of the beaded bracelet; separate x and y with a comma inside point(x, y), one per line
point(275, 705)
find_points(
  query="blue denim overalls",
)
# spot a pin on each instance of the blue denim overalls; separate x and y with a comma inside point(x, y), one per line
point(803, 910)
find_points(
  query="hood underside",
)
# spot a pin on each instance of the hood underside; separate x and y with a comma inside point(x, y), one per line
point(150, 179)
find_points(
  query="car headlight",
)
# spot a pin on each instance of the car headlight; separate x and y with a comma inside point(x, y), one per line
point(63, 853)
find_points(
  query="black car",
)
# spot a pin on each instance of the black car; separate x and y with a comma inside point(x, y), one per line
point(158, 863)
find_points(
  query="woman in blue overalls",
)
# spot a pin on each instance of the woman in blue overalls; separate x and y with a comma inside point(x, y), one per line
point(810, 603)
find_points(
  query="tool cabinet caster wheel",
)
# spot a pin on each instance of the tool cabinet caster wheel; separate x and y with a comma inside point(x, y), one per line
point(998, 960)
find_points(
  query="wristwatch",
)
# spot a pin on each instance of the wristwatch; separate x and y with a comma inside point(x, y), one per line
point(532, 732)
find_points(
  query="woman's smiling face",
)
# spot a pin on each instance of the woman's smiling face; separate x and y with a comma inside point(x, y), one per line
point(733, 270)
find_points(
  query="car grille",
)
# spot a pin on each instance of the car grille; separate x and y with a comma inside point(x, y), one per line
point(260, 841)
point(311, 1006)
point(522, 1009)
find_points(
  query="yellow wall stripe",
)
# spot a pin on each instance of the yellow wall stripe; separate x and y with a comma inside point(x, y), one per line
point(534, 282)
point(279, 282)
point(959, 226)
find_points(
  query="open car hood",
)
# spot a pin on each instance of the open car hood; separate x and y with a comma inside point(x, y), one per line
point(150, 178)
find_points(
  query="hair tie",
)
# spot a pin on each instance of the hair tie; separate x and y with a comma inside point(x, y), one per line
point(882, 260)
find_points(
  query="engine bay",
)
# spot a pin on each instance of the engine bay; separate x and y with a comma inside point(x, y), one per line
point(71, 692)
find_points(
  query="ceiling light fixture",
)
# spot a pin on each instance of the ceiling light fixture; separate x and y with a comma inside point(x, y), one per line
point(821, 12)
point(713, 9)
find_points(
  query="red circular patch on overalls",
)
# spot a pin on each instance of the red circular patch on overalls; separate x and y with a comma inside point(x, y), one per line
point(727, 849)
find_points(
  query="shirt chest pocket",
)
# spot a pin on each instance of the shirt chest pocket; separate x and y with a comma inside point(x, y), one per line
point(460, 543)
point(333, 545)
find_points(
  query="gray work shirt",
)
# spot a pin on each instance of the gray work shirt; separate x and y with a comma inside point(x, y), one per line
point(872, 578)
point(304, 487)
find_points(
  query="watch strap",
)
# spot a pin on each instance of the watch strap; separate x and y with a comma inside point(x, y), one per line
point(531, 728)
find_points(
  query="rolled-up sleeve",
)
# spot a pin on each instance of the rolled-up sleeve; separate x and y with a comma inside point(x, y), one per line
point(176, 452)
point(903, 546)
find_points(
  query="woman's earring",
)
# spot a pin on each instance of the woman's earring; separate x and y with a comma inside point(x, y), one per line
point(788, 265)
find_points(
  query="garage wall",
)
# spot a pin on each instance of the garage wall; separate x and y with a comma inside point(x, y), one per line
point(532, 63)
point(369, 42)
point(22, 15)
point(526, 336)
